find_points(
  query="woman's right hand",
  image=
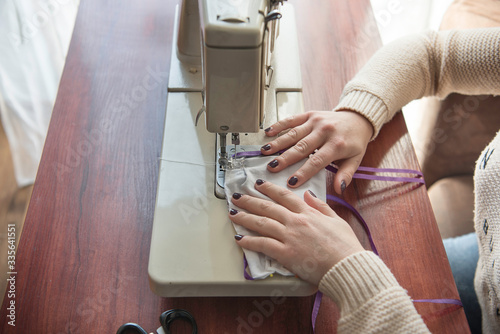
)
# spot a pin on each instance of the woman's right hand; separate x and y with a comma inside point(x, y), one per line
point(340, 136)
point(304, 235)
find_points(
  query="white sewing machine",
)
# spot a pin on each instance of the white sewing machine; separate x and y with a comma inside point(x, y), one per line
point(240, 75)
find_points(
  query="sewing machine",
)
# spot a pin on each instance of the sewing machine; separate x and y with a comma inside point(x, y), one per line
point(227, 84)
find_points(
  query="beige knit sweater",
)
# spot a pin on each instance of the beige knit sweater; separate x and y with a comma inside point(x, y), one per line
point(431, 64)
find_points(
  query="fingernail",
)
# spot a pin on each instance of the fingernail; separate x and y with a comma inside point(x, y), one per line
point(232, 212)
point(312, 194)
point(342, 186)
point(259, 182)
point(236, 195)
point(238, 237)
point(266, 147)
point(268, 129)
point(293, 181)
point(273, 163)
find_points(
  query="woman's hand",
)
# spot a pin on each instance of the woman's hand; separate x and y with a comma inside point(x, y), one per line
point(306, 236)
point(340, 136)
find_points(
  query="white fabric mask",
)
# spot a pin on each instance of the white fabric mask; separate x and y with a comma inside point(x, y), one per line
point(242, 180)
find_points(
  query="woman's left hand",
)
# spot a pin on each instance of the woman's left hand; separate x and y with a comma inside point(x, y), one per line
point(341, 136)
point(306, 236)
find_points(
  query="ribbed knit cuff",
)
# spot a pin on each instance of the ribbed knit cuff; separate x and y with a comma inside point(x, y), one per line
point(355, 280)
point(366, 104)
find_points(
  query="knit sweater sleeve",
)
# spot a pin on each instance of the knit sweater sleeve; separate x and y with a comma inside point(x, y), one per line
point(369, 297)
point(430, 64)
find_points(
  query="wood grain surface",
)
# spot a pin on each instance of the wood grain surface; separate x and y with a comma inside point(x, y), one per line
point(83, 256)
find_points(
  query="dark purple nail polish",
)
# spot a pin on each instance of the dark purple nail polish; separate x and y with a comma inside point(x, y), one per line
point(238, 237)
point(293, 181)
point(273, 163)
point(237, 195)
point(342, 186)
point(312, 194)
point(268, 129)
point(259, 182)
point(266, 147)
point(232, 212)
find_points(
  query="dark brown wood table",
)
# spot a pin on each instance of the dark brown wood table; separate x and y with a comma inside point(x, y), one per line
point(82, 259)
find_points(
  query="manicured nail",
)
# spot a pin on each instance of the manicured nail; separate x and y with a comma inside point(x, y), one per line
point(237, 195)
point(232, 212)
point(342, 186)
point(268, 129)
point(312, 194)
point(259, 182)
point(238, 237)
point(266, 147)
point(273, 163)
point(293, 181)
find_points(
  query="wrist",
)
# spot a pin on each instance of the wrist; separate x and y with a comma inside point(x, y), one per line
point(361, 122)
point(366, 104)
point(356, 279)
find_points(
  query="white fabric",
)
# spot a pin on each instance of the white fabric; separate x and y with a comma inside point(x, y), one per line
point(242, 180)
point(34, 40)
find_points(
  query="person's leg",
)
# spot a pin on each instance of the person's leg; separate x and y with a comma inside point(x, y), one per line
point(452, 200)
point(454, 133)
point(463, 255)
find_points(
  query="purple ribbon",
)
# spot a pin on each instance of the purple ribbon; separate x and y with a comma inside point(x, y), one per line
point(253, 154)
point(319, 295)
point(245, 266)
point(357, 214)
point(247, 154)
point(440, 301)
point(357, 175)
point(315, 311)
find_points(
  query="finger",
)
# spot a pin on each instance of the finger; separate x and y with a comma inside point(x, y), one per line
point(260, 207)
point(260, 224)
point(283, 142)
point(316, 162)
point(314, 202)
point(269, 246)
point(300, 150)
point(347, 168)
point(282, 196)
point(286, 123)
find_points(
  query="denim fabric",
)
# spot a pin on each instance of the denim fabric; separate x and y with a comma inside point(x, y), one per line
point(463, 255)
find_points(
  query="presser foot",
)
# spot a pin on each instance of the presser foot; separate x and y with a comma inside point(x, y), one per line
point(221, 164)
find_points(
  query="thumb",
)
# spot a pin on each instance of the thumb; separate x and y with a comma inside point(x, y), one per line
point(318, 204)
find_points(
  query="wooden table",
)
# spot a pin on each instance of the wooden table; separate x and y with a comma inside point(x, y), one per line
point(83, 256)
